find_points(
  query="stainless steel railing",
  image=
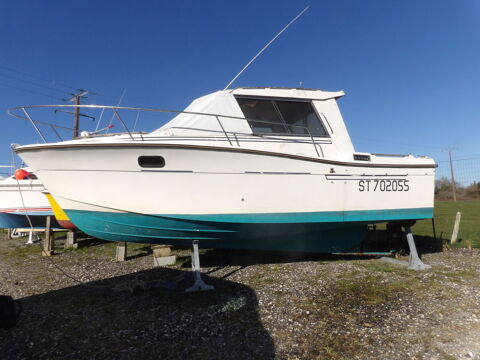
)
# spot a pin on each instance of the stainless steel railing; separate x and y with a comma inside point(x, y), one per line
point(14, 112)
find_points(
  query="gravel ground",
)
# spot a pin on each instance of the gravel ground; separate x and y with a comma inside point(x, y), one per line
point(265, 306)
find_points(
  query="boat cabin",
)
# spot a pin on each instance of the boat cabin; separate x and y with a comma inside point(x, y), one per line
point(295, 115)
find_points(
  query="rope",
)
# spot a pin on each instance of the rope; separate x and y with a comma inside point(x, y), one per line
point(130, 285)
point(80, 282)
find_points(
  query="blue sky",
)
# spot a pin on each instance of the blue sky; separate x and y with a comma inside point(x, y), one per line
point(411, 69)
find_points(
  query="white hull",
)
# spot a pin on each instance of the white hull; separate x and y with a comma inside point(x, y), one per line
point(196, 181)
point(22, 195)
point(19, 198)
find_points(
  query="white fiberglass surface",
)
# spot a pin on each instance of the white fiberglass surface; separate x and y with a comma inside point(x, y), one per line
point(200, 182)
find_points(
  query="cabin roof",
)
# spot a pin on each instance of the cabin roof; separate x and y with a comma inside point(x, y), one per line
point(294, 93)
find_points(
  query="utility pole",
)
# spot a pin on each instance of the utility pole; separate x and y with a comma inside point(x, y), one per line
point(454, 190)
point(76, 114)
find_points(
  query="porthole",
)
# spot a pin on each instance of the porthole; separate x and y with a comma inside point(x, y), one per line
point(151, 161)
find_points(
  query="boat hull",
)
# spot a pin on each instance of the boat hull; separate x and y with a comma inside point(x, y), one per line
point(311, 232)
point(62, 218)
point(16, 220)
point(227, 197)
point(22, 198)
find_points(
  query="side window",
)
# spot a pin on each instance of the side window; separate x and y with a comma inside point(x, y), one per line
point(262, 116)
point(301, 116)
point(281, 117)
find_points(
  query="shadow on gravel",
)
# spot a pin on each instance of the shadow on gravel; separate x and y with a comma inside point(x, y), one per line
point(90, 241)
point(428, 244)
point(107, 321)
point(382, 240)
point(225, 257)
point(140, 252)
point(378, 241)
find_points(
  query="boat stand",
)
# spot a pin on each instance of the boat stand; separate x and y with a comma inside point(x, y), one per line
point(30, 238)
point(414, 262)
point(199, 284)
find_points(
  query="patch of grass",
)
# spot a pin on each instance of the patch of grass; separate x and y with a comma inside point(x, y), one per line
point(262, 279)
point(369, 290)
point(447, 357)
point(445, 212)
point(469, 275)
point(16, 248)
point(384, 267)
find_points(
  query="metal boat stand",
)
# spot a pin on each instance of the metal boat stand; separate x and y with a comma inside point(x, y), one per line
point(199, 284)
point(30, 238)
point(414, 262)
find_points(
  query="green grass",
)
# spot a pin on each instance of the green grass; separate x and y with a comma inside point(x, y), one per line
point(445, 212)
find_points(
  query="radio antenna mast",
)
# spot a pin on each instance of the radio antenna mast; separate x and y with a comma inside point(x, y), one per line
point(265, 47)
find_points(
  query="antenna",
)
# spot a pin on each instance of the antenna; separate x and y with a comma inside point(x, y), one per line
point(265, 47)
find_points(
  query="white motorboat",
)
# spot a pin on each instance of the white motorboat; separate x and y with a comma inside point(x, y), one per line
point(21, 196)
point(250, 168)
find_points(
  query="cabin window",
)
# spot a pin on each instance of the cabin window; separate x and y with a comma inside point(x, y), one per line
point(361, 157)
point(151, 161)
point(281, 117)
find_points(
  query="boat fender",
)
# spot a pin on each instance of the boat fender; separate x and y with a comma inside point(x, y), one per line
point(9, 312)
point(20, 174)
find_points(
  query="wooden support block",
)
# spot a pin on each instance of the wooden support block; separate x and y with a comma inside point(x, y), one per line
point(71, 241)
point(161, 250)
point(121, 251)
point(48, 239)
point(164, 260)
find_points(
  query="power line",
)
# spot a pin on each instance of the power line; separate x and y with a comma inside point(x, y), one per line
point(35, 92)
point(455, 160)
point(32, 83)
point(38, 77)
point(29, 91)
point(116, 97)
point(56, 83)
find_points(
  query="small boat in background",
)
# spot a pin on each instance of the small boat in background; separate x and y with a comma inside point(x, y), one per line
point(22, 203)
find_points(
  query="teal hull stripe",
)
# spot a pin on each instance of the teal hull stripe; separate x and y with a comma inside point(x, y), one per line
point(281, 218)
point(316, 231)
point(105, 234)
point(166, 228)
point(314, 217)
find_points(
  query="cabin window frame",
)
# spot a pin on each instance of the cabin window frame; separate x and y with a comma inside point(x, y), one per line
point(361, 157)
point(283, 123)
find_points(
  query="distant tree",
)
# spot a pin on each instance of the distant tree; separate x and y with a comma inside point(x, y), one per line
point(473, 191)
point(443, 189)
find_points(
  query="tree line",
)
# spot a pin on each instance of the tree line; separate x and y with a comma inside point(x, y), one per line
point(444, 191)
